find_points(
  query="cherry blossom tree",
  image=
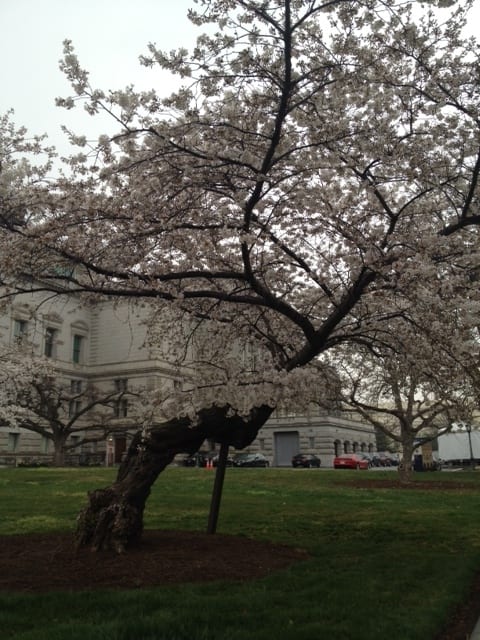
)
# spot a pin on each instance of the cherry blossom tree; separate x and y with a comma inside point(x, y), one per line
point(320, 157)
point(18, 372)
point(405, 394)
point(34, 397)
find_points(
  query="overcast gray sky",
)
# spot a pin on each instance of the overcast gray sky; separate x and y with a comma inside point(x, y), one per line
point(108, 36)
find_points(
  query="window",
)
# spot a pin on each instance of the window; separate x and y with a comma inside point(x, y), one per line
point(121, 408)
point(75, 441)
point(63, 271)
point(77, 348)
point(121, 405)
point(74, 408)
point(75, 386)
point(45, 445)
point(13, 440)
point(19, 331)
point(311, 442)
point(49, 347)
point(121, 385)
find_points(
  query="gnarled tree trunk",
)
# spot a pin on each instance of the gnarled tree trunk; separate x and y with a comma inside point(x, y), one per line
point(113, 518)
point(405, 468)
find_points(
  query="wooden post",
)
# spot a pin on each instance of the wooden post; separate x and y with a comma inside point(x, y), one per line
point(217, 489)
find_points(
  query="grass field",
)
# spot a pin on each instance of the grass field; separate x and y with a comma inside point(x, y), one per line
point(386, 564)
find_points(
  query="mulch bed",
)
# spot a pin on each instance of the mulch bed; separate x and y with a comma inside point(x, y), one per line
point(36, 563)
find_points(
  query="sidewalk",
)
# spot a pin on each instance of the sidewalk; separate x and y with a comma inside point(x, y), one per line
point(475, 633)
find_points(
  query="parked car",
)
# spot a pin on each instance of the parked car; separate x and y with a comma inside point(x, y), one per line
point(351, 461)
point(201, 458)
point(394, 459)
point(385, 459)
point(306, 460)
point(250, 460)
point(196, 460)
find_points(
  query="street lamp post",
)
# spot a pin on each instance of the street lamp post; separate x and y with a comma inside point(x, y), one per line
point(469, 432)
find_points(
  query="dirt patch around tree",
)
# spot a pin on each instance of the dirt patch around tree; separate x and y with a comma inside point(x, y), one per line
point(37, 563)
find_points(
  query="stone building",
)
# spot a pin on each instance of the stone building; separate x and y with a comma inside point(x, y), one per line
point(101, 345)
point(318, 432)
point(104, 345)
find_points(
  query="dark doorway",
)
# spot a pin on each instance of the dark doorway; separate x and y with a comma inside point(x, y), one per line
point(120, 448)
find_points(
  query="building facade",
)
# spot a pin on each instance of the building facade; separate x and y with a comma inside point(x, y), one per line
point(105, 345)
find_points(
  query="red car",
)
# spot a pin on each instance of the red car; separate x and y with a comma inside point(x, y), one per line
point(351, 461)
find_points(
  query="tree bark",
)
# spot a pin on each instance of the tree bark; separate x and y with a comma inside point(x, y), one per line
point(405, 468)
point(59, 458)
point(113, 517)
point(59, 452)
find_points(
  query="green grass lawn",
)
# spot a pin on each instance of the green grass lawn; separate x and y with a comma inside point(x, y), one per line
point(385, 564)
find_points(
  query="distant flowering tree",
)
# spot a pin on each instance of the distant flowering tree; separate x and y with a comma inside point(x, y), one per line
point(18, 372)
point(321, 159)
point(67, 413)
point(407, 394)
